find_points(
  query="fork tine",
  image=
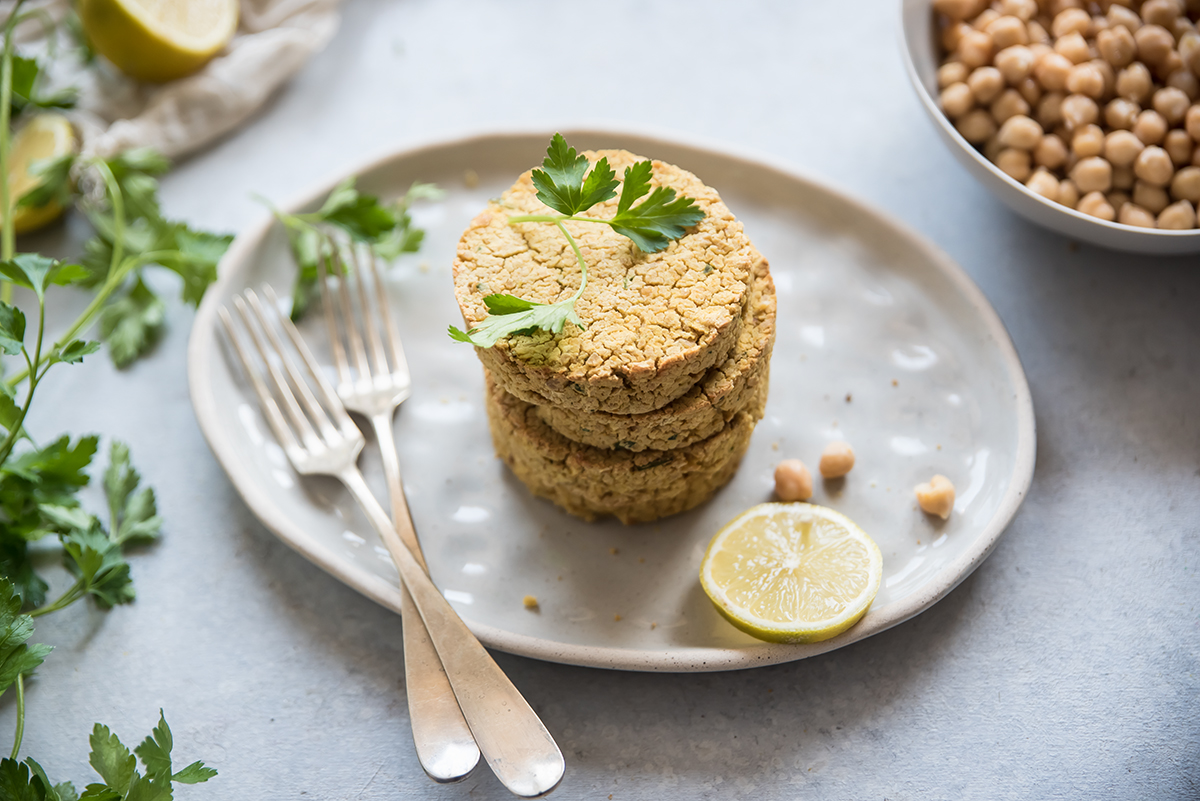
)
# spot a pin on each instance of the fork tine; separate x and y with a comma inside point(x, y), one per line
point(266, 402)
point(339, 353)
point(378, 356)
point(316, 413)
point(356, 343)
point(332, 403)
point(299, 421)
point(393, 337)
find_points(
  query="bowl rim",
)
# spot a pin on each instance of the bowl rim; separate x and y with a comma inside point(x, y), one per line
point(932, 109)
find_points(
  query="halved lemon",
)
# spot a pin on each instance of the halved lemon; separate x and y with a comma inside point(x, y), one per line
point(159, 40)
point(792, 572)
point(45, 136)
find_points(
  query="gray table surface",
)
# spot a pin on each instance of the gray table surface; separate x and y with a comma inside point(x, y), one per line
point(1065, 667)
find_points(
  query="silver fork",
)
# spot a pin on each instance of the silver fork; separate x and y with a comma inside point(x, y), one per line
point(445, 747)
point(513, 741)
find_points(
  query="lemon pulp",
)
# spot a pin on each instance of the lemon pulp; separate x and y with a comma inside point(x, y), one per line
point(792, 572)
point(159, 40)
point(43, 137)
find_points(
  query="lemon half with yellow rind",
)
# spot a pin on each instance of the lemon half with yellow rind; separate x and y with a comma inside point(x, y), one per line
point(792, 572)
point(46, 136)
point(159, 40)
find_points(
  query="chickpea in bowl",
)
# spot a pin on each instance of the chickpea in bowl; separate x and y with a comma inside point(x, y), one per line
point(1081, 116)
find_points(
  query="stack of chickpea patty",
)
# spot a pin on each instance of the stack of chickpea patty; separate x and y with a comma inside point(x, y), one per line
point(647, 409)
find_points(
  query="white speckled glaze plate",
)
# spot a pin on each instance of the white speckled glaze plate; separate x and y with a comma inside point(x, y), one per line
point(883, 341)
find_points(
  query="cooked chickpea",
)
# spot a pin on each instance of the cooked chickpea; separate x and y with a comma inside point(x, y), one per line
point(1085, 79)
point(1039, 38)
point(1191, 122)
point(1008, 104)
point(1172, 104)
point(1168, 65)
point(985, 83)
point(1007, 31)
point(936, 496)
point(836, 460)
point(1049, 110)
point(1121, 113)
point(1024, 10)
point(1052, 71)
point(1068, 193)
point(1123, 178)
point(1133, 214)
point(952, 34)
point(1150, 127)
point(975, 48)
point(1116, 46)
point(1050, 152)
point(1154, 43)
point(956, 100)
point(1117, 199)
point(951, 73)
point(959, 9)
point(1186, 82)
point(1160, 12)
point(1152, 198)
point(1122, 148)
point(977, 126)
point(1073, 47)
point(1014, 163)
point(1186, 185)
point(1178, 146)
point(793, 481)
point(1020, 132)
point(1154, 166)
point(1135, 83)
point(1044, 184)
point(1031, 90)
point(1088, 141)
point(992, 148)
point(1015, 63)
point(1092, 175)
point(1121, 15)
point(1073, 20)
point(1189, 51)
point(985, 18)
point(1039, 49)
point(1180, 27)
point(1079, 110)
point(1095, 204)
point(1178, 216)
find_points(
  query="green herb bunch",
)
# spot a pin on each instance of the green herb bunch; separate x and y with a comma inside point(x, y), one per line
point(565, 185)
point(40, 481)
point(386, 227)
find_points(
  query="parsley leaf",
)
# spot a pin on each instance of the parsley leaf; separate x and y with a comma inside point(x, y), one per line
point(12, 329)
point(55, 184)
point(132, 324)
point(133, 513)
point(97, 562)
point(561, 184)
point(512, 315)
point(16, 655)
point(36, 272)
point(155, 750)
point(118, 768)
point(657, 220)
point(18, 784)
point(111, 759)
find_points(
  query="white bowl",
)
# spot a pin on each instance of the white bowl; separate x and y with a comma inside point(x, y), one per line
point(921, 55)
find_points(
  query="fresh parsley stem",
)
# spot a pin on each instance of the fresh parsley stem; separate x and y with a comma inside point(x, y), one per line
point(8, 236)
point(118, 205)
point(20, 733)
point(551, 218)
point(72, 594)
point(15, 429)
point(578, 256)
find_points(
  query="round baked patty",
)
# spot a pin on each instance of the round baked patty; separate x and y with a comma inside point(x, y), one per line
point(737, 384)
point(592, 482)
point(653, 323)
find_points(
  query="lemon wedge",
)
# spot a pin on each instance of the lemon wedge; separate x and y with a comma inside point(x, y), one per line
point(792, 572)
point(45, 136)
point(159, 40)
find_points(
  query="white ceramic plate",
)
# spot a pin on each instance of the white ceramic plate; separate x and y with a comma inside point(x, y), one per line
point(883, 341)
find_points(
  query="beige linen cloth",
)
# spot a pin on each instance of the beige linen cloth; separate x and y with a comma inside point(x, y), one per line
point(274, 39)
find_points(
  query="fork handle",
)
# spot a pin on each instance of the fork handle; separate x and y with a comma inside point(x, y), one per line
point(445, 747)
point(511, 737)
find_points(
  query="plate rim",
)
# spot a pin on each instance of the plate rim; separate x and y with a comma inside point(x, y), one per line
point(202, 346)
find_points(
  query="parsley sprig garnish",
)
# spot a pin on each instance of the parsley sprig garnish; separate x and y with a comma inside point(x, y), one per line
point(565, 185)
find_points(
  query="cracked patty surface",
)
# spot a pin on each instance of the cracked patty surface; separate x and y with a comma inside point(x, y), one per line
point(591, 482)
point(737, 384)
point(653, 322)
